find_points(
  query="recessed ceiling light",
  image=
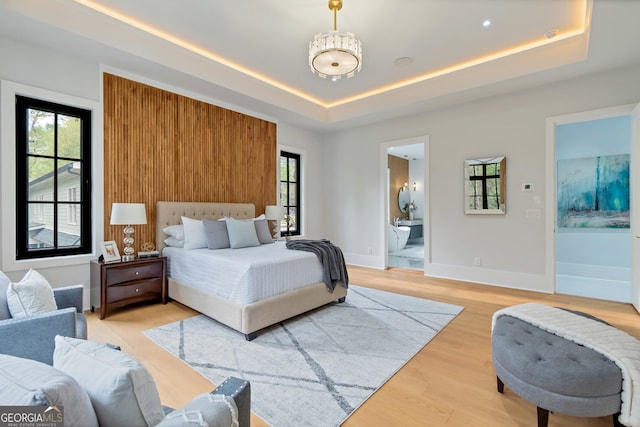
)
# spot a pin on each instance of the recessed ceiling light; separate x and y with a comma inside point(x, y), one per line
point(486, 23)
point(405, 61)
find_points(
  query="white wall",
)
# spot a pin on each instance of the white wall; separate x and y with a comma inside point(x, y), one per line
point(511, 246)
point(308, 144)
point(43, 71)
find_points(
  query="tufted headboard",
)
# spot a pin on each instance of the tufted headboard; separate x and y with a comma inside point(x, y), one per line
point(170, 213)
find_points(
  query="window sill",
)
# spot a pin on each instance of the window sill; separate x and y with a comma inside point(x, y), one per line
point(41, 263)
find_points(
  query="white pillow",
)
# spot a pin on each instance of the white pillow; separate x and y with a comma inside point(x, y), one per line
point(172, 241)
point(121, 390)
point(194, 234)
point(27, 382)
point(176, 231)
point(30, 296)
point(242, 233)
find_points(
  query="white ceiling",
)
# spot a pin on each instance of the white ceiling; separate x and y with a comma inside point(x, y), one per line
point(252, 54)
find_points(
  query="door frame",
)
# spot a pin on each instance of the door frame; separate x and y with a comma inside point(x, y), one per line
point(550, 182)
point(635, 207)
point(384, 188)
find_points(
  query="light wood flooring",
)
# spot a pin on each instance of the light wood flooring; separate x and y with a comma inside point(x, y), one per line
point(450, 382)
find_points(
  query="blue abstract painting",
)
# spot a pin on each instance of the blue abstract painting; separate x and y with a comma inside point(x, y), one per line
point(594, 192)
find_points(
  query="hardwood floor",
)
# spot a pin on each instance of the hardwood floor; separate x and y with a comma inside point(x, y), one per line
point(450, 382)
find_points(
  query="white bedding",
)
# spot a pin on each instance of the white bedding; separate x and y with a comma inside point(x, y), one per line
point(244, 275)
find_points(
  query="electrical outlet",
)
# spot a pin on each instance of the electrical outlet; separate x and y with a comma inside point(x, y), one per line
point(369, 250)
point(477, 261)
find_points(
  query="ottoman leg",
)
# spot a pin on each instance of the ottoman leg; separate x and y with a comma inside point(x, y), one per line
point(543, 417)
point(500, 385)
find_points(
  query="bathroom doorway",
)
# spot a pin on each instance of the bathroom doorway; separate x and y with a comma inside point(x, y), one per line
point(405, 219)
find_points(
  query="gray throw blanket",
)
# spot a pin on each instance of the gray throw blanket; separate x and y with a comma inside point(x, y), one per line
point(331, 258)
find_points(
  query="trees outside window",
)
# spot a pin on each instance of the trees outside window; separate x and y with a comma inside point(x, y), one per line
point(290, 177)
point(53, 179)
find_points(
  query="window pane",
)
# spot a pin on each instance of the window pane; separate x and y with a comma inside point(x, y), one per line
point(293, 188)
point(284, 194)
point(283, 168)
point(40, 133)
point(68, 137)
point(293, 170)
point(68, 177)
point(68, 234)
point(40, 179)
point(40, 226)
point(293, 219)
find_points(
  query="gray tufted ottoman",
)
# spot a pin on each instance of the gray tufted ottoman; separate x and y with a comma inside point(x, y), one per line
point(555, 374)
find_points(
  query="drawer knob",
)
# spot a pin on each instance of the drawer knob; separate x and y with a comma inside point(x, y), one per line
point(137, 290)
point(137, 273)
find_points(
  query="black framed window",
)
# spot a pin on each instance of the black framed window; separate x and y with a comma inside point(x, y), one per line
point(290, 178)
point(53, 179)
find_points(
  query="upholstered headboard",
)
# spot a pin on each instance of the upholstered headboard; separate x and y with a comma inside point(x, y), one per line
point(170, 213)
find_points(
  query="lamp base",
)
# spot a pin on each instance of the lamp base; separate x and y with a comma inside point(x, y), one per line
point(128, 257)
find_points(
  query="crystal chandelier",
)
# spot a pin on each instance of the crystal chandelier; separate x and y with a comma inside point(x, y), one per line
point(335, 54)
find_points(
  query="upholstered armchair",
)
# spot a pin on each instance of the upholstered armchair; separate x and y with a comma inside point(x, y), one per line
point(33, 337)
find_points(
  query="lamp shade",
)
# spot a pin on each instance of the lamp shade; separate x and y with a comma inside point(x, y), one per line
point(128, 214)
point(274, 213)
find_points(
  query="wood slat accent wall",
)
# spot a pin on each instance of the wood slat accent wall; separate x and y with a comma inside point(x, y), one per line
point(160, 145)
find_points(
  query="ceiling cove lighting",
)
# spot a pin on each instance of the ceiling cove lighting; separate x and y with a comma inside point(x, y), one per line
point(335, 54)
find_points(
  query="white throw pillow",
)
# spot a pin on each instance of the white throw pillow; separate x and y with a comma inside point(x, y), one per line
point(242, 233)
point(4, 307)
point(121, 390)
point(27, 382)
point(194, 234)
point(30, 296)
point(176, 231)
point(172, 241)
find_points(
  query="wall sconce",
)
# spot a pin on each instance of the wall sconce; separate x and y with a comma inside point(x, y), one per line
point(128, 214)
point(275, 214)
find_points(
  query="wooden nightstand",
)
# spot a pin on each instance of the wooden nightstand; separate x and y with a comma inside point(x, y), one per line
point(123, 283)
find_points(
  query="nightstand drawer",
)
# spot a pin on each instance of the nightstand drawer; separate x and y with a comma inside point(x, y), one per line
point(146, 289)
point(123, 274)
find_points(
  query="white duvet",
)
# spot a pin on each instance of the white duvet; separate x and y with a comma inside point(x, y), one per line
point(244, 275)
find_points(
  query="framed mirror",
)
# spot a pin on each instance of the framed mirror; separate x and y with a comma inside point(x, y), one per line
point(484, 186)
point(404, 199)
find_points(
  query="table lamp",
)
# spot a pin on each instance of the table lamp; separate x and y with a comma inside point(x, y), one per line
point(275, 214)
point(128, 214)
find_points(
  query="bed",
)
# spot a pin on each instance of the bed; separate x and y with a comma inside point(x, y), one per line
point(244, 313)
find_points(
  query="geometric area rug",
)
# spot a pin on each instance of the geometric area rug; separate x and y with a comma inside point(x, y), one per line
point(317, 368)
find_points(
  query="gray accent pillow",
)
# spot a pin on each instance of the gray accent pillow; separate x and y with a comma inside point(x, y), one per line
point(216, 232)
point(262, 230)
point(4, 307)
point(27, 382)
point(121, 390)
point(242, 233)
